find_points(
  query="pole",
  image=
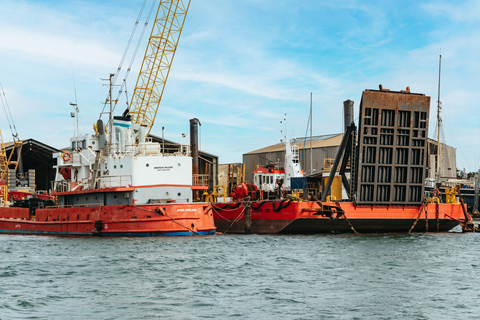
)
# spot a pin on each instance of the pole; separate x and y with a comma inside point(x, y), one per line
point(439, 121)
point(163, 140)
point(111, 111)
point(311, 137)
point(248, 218)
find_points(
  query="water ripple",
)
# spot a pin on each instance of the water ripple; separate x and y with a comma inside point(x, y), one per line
point(384, 276)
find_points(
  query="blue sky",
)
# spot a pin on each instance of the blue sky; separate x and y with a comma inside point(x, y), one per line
point(241, 65)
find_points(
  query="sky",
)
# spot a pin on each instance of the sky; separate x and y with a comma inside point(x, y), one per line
point(243, 66)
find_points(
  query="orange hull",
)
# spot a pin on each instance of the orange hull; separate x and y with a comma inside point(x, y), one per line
point(120, 220)
point(310, 218)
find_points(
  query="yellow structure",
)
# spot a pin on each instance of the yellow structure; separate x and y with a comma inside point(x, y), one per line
point(217, 191)
point(451, 195)
point(157, 61)
point(336, 189)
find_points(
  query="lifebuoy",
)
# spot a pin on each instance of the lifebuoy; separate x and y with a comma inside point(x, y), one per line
point(66, 156)
point(436, 193)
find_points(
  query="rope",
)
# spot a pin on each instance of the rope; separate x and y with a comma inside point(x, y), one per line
point(8, 113)
point(165, 213)
point(419, 214)
point(350, 224)
point(233, 221)
point(134, 53)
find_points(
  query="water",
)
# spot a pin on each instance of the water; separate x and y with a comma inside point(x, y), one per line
point(419, 276)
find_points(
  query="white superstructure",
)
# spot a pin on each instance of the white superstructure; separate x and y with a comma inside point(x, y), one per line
point(268, 178)
point(125, 159)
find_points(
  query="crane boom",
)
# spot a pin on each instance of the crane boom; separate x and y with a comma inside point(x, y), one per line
point(157, 61)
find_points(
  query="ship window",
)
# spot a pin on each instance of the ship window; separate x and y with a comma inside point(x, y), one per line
point(166, 193)
point(121, 166)
point(179, 194)
point(84, 144)
point(147, 165)
point(115, 167)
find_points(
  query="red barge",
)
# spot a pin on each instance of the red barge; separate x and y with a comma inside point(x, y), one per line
point(386, 163)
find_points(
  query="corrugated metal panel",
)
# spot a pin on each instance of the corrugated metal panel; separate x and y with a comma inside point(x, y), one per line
point(333, 141)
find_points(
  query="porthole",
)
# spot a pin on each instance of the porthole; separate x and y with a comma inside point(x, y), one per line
point(121, 166)
point(179, 194)
point(178, 164)
point(147, 165)
point(115, 167)
point(166, 193)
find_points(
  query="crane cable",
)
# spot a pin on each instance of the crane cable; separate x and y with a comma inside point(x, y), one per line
point(8, 114)
point(126, 51)
point(124, 83)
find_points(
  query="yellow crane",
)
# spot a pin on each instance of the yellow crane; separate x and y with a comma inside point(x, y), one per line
point(157, 61)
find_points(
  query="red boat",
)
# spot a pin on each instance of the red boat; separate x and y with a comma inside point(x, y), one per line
point(119, 189)
point(116, 220)
point(387, 163)
point(309, 217)
point(117, 182)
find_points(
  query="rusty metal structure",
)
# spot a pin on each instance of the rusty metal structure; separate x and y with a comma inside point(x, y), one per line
point(389, 151)
point(392, 147)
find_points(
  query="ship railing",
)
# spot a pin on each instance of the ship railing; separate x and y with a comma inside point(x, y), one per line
point(61, 186)
point(78, 205)
point(201, 180)
point(115, 181)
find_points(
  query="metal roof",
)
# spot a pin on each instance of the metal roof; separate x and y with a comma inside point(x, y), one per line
point(332, 141)
point(172, 143)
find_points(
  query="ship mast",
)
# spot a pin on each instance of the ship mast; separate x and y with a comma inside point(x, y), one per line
point(311, 140)
point(439, 121)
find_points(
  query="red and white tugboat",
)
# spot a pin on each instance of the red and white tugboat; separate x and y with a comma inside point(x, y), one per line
point(118, 182)
point(117, 189)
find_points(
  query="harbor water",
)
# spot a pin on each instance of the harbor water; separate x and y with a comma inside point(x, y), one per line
point(386, 276)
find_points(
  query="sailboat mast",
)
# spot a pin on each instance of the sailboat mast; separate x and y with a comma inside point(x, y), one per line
point(439, 121)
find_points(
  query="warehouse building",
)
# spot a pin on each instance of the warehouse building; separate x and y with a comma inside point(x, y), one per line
point(320, 152)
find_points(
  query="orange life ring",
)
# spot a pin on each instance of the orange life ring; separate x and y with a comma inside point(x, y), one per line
point(66, 156)
point(436, 193)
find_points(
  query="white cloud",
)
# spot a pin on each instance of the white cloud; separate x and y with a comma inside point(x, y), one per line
point(468, 11)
